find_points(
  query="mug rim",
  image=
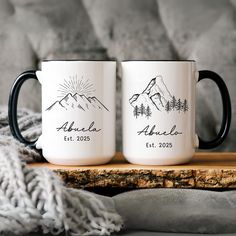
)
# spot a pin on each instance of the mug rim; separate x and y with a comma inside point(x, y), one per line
point(158, 61)
point(75, 60)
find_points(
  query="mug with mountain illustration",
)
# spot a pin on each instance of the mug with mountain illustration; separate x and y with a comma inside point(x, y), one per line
point(159, 111)
point(78, 111)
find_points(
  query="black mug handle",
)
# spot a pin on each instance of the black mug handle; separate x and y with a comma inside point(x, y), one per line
point(226, 119)
point(12, 107)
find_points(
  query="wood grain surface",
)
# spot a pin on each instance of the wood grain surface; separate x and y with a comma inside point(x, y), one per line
point(207, 170)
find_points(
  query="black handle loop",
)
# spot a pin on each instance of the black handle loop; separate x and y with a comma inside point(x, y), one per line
point(12, 107)
point(226, 119)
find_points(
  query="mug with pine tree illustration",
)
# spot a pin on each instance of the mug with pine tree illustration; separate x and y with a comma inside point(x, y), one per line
point(158, 100)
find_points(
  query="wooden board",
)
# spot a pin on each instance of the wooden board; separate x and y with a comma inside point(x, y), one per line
point(207, 170)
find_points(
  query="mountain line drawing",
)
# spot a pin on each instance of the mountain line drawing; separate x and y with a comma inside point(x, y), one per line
point(77, 101)
point(156, 96)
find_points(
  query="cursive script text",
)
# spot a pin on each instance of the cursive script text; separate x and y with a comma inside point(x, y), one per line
point(66, 127)
point(149, 131)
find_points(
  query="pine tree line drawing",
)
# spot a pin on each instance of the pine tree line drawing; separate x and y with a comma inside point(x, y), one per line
point(172, 105)
point(142, 111)
point(177, 105)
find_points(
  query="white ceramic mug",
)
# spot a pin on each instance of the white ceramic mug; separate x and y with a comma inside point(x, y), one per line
point(78, 111)
point(159, 111)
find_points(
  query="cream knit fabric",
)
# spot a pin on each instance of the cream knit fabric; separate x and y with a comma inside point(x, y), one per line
point(35, 199)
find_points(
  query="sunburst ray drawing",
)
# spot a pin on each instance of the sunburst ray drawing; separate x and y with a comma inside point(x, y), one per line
point(75, 85)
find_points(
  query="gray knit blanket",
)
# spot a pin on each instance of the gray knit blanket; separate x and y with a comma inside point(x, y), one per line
point(35, 199)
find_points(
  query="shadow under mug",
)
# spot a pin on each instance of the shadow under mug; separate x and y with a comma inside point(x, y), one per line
point(159, 111)
point(78, 111)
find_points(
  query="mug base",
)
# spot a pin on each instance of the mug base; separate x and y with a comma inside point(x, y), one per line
point(89, 161)
point(160, 162)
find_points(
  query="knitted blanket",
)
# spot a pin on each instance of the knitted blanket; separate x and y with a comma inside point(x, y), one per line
point(35, 199)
